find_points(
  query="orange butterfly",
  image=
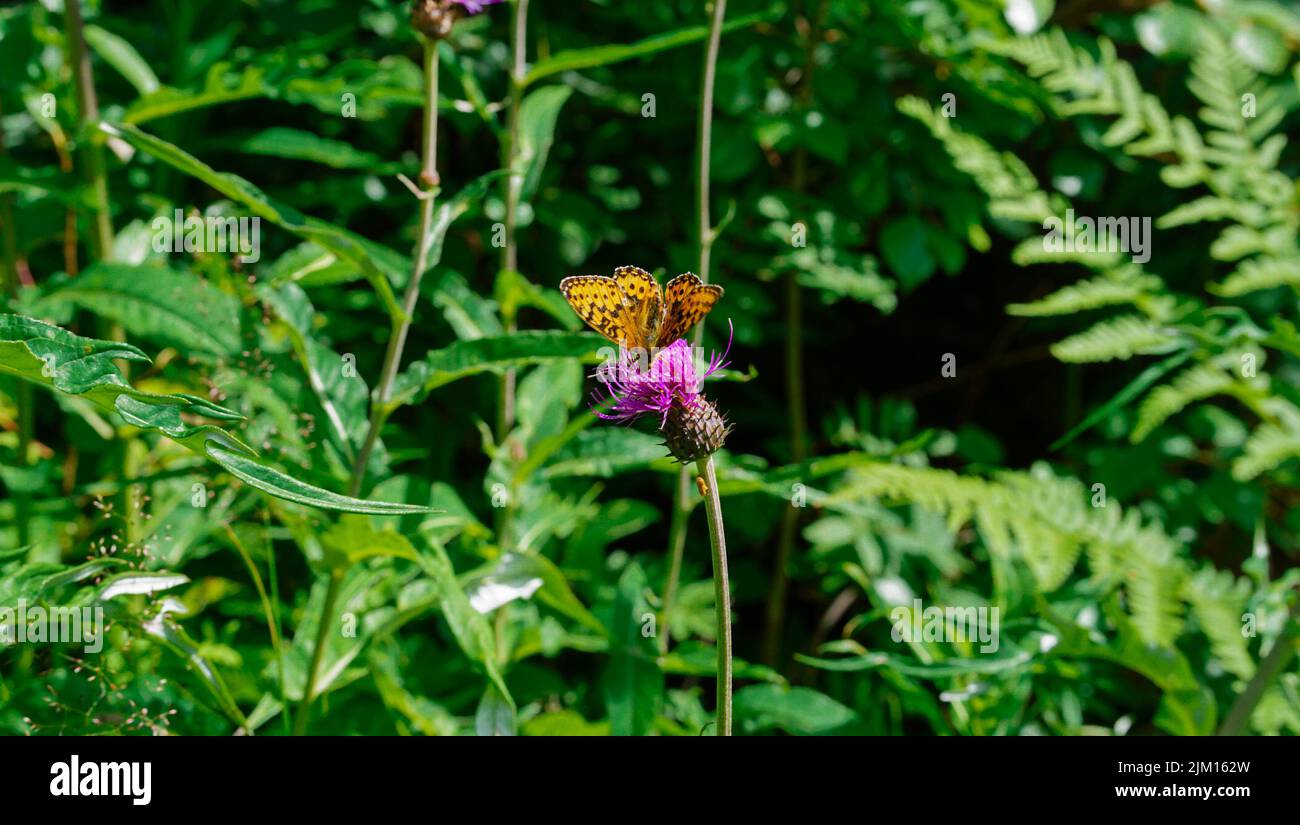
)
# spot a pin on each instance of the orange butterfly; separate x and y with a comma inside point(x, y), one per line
point(629, 308)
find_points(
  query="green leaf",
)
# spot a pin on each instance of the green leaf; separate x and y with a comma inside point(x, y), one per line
point(270, 480)
point(383, 268)
point(589, 58)
point(308, 264)
point(537, 117)
point(563, 723)
point(295, 144)
point(1188, 713)
point(692, 658)
point(166, 305)
point(134, 584)
point(513, 291)
point(903, 245)
point(452, 208)
point(35, 581)
point(1121, 337)
point(469, 314)
point(495, 354)
point(352, 540)
point(343, 398)
point(1132, 390)
point(634, 684)
point(122, 56)
point(175, 639)
point(468, 626)
point(605, 452)
point(495, 716)
point(946, 669)
point(70, 364)
point(797, 710)
point(217, 89)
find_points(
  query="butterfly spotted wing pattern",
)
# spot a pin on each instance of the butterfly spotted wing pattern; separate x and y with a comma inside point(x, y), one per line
point(643, 299)
point(631, 310)
point(688, 300)
point(598, 300)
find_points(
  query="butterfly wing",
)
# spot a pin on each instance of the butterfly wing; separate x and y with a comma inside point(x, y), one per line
point(600, 302)
point(688, 300)
point(643, 299)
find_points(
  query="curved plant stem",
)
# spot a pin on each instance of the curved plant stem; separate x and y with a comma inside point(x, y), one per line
point(704, 236)
point(402, 326)
point(262, 594)
point(1279, 656)
point(511, 188)
point(318, 651)
point(396, 344)
point(268, 608)
point(721, 590)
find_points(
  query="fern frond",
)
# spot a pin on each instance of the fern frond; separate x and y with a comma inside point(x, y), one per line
point(1213, 208)
point(1154, 585)
point(1260, 273)
point(1266, 448)
point(1035, 251)
point(1085, 85)
point(1121, 338)
point(1276, 711)
point(1218, 79)
point(1115, 288)
point(1194, 384)
point(1218, 602)
point(1047, 523)
point(1012, 189)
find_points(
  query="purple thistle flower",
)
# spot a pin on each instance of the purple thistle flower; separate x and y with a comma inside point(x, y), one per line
point(668, 387)
point(475, 6)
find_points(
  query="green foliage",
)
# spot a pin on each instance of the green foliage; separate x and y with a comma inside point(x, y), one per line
point(1110, 467)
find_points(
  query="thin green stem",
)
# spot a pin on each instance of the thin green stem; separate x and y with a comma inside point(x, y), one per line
point(704, 237)
point(721, 590)
point(396, 344)
point(511, 190)
point(93, 164)
point(274, 582)
point(268, 608)
point(1277, 660)
point(318, 651)
point(95, 171)
point(257, 584)
point(402, 326)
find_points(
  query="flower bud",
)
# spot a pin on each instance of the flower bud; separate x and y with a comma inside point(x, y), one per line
point(694, 431)
point(433, 18)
